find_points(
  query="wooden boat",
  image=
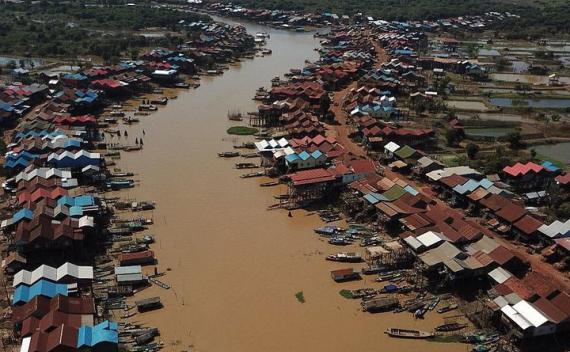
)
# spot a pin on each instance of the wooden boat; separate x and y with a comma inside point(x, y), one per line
point(450, 327)
point(363, 292)
point(408, 333)
point(246, 166)
point(380, 305)
point(117, 113)
point(228, 154)
point(235, 116)
point(147, 107)
point(340, 241)
point(183, 85)
point(433, 303)
point(253, 174)
point(249, 155)
point(374, 269)
point(388, 276)
point(132, 148)
point(112, 131)
point(129, 314)
point(269, 184)
point(161, 101)
point(447, 308)
point(148, 304)
point(349, 257)
point(130, 119)
point(159, 283)
point(246, 145)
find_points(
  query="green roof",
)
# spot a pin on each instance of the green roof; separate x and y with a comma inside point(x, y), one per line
point(405, 152)
point(394, 193)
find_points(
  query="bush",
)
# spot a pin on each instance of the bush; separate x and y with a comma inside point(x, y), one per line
point(242, 130)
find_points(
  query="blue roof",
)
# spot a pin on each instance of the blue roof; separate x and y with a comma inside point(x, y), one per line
point(81, 201)
point(22, 214)
point(472, 185)
point(316, 154)
point(74, 76)
point(75, 211)
point(291, 157)
point(304, 155)
point(6, 107)
point(43, 287)
point(105, 332)
point(550, 166)
point(411, 190)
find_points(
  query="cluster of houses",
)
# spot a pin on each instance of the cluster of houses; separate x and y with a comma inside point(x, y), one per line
point(56, 219)
point(427, 207)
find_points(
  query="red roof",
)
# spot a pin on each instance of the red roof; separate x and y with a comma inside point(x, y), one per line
point(514, 285)
point(563, 242)
point(562, 302)
point(539, 284)
point(360, 166)
point(563, 179)
point(501, 255)
point(528, 224)
point(519, 169)
point(311, 176)
point(453, 180)
point(548, 308)
point(511, 212)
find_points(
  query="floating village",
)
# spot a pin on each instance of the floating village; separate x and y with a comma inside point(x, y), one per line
point(436, 156)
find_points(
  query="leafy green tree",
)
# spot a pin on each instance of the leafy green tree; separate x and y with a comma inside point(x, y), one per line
point(514, 140)
point(472, 149)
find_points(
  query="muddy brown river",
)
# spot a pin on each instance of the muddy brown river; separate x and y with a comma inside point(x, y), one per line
point(234, 266)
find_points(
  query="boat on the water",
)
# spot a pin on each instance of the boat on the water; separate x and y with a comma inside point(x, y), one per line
point(253, 174)
point(408, 333)
point(349, 257)
point(340, 241)
point(269, 184)
point(380, 305)
point(228, 154)
point(450, 327)
point(447, 308)
point(246, 166)
point(374, 269)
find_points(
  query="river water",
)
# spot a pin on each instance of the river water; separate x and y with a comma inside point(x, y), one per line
point(234, 266)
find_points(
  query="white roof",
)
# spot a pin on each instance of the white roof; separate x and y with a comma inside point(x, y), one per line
point(429, 239)
point(25, 277)
point(501, 301)
point(271, 145)
point(531, 314)
point(131, 269)
point(556, 229)
point(515, 317)
point(26, 341)
point(86, 221)
point(448, 171)
point(499, 275)
point(68, 154)
point(391, 147)
point(43, 172)
point(413, 242)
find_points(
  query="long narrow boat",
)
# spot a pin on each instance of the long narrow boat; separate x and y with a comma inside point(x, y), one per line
point(447, 308)
point(450, 327)
point(269, 184)
point(408, 333)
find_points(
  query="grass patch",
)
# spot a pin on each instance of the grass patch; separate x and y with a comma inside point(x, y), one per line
point(345, 294)
point(242, 130)
point(300, 297)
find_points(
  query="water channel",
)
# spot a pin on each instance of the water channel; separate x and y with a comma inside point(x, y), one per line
point(234, 266)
